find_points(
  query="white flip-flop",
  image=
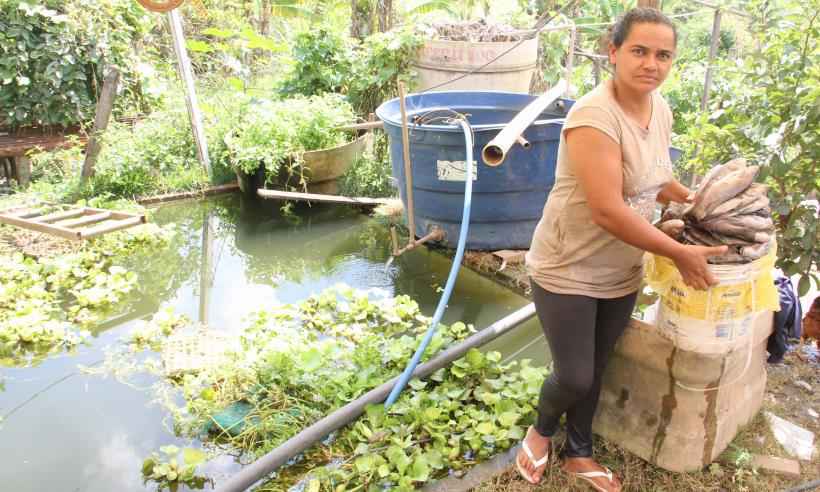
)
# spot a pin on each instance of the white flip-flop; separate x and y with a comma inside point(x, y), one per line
point(589, 476)
point(536, 463)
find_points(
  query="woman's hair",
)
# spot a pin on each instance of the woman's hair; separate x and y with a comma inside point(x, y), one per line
point(620, 30)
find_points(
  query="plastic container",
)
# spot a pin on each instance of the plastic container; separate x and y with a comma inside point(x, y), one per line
point(441, 61)
point(508, 199)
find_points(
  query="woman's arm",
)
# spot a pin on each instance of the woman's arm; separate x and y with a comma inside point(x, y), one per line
point(597, 164)
point(674, 192)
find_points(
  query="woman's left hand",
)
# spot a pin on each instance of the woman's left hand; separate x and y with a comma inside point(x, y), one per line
point(673, 191)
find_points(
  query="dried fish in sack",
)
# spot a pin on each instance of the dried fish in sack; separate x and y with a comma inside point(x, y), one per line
point(737, 241)
point(715, 174)
point(672, 228)
point(754, 252)
point(728, 258)
point(748, 221)
point(748, 196)
point(724, 189)
point(700, 237)
point(729, 228)
point(760, 203)
point(720, 171)
point(674, 211)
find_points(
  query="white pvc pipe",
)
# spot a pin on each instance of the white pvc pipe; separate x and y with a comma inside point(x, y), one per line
point(496, 150)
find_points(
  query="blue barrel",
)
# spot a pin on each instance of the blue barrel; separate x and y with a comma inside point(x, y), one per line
point(508, 199)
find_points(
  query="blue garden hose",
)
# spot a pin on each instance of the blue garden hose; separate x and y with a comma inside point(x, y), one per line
point(451, 279)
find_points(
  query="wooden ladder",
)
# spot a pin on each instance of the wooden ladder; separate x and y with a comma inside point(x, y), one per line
point(71, 223)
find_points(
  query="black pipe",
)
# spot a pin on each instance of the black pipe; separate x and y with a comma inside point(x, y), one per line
point(265, 465)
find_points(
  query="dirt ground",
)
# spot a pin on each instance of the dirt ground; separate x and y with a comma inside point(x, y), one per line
point(33, 244)
point(733, 470)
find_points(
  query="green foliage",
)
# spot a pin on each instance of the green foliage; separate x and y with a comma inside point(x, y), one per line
point(136, 161)
point(322, 63)
point(370, 175)
point(463, 414)
point(380, 62)
point(368, 73)
point(769, 114)
point(53, 55)
point(682, 90)
point(275, 134)
point(296, 363)
point(219, 51)
point(169, 467)
point(42, 300)
point(154, 155)
point(149, 334)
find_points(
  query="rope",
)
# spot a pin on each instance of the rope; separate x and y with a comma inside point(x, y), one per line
point(516, 45)
point(543, 27)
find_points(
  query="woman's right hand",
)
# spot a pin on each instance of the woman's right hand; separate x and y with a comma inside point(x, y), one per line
point(691, 263)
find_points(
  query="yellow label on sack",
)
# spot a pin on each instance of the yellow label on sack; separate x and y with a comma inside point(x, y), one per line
point(742, 289)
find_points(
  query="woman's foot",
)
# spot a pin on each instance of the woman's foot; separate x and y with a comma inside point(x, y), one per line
point(533, 457)
point(597, 476)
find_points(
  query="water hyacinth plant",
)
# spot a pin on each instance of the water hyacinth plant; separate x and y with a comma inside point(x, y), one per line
point(297, 363)
point(47, 303)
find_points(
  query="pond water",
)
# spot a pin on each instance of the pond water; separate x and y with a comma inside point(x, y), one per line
point(64, 430)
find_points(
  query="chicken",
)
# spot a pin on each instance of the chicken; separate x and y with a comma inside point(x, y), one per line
point(811, 322)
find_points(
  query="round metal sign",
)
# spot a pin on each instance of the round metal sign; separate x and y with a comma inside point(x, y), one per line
point(160, 5)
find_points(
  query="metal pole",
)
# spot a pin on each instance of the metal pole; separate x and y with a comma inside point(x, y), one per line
point(707, 82)
point(187, 76)
point(265, 465)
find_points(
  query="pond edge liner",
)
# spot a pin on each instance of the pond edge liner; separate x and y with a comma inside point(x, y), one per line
point(270, 462)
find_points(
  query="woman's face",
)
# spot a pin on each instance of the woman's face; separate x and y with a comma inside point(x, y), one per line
point(643, 61)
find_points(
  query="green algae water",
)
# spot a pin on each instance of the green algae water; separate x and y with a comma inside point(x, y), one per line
point(64, 430)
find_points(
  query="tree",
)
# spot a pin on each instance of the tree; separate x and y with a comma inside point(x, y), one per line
point(385, 8)
point(769, 114)
point(361, 18)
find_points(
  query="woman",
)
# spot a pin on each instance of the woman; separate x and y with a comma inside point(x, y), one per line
point(585, 258)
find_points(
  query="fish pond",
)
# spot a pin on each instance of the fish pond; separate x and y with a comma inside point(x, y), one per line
point(96, 412)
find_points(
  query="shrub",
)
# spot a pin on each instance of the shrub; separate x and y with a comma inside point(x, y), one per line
point(370, 175)
point(275, 133)
point(367, 73)
point(53, 55)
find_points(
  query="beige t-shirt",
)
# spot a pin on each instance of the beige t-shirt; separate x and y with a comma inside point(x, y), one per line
point(570, 254)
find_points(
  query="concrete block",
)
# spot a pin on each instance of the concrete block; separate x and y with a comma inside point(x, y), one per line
point(774, 464)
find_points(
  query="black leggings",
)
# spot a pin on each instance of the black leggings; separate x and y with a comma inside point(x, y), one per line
point(581, 332)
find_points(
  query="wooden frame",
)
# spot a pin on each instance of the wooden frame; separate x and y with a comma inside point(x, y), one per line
point(73, 223)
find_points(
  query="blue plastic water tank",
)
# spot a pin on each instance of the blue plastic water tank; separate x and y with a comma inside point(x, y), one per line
point(508, 199)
